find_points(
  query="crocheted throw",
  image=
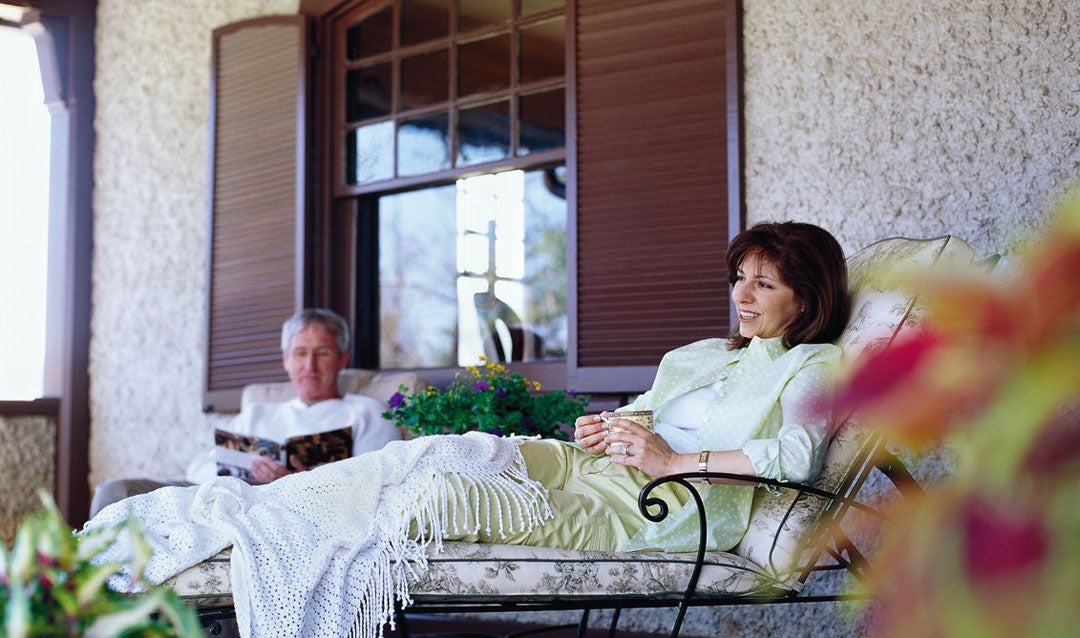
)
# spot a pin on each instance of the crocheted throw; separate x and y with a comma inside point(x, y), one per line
point(327, 552)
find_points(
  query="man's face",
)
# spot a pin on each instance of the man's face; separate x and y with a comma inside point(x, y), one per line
point(313, 362)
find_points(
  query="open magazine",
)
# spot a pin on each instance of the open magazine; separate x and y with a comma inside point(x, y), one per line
point(234, 452)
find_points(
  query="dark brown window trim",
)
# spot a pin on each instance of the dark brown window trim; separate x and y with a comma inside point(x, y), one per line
point(49, 407)
point(72, 26)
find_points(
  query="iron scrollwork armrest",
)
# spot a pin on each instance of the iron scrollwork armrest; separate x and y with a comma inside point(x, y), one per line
point(656, 509)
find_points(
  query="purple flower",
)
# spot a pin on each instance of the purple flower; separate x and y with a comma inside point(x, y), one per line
point(500, 392)
point(397, 399)
point(480, 386)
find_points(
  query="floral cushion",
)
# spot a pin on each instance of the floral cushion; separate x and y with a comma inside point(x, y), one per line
point(878, 311)
point(781, 521)
point(465, 571)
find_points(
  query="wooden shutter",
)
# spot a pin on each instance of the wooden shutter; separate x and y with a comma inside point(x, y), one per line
point(256, 234)
point(652, 168)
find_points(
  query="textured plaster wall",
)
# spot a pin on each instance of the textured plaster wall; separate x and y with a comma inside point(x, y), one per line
point(27, 462)
point(871, 118)
point(876, 118)
point(149, 265)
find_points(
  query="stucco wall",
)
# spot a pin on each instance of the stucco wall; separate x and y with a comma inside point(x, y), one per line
point(876, 118)
point(27, 462)
point(871, 118)
point(149, 266)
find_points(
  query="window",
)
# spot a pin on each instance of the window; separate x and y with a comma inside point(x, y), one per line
point(452, 130)
point(24, 217)
point(436, 86)
point(474, 268)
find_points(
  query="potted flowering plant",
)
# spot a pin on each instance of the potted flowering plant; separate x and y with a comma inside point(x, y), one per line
point(50, 585)
point(487, 398)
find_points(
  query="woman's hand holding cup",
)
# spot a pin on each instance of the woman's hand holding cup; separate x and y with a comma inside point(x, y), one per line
point(631, 441)
point(590, 432)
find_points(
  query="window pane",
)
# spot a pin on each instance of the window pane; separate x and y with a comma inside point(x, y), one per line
point(545, 259)
point(371, 36)
point(424, 20)
point(425, 79)
point(370, 153)
point(484, 65)
point(543, 121)
point(483, 134)
point(477, 14)
point(543, 49)
point(367, 92)
point(418, 309)
point(529, 7)
point(424, 144)
point(479, 268)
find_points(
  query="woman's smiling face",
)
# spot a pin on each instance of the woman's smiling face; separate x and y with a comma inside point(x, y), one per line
point(765, 304)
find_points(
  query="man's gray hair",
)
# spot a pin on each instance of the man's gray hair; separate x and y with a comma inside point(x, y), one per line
point(328, 319)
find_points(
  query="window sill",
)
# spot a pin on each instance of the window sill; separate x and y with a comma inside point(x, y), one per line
point(49, 406)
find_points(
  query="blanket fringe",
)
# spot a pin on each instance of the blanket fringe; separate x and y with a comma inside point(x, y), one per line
point(509, 501)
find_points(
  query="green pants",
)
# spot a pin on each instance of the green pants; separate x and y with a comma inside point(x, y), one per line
point(594, 500)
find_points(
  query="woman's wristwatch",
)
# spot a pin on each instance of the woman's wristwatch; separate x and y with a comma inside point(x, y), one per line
point(703, 464)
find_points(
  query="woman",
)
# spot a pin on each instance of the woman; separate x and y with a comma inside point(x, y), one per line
point(738, 407)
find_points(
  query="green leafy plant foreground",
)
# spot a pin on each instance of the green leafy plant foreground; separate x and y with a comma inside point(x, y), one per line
point(488, 399)
point(51, 585)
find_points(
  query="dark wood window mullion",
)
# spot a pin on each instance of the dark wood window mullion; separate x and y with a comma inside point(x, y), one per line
point(452, 106)
point(515, 76)
point(395, 90)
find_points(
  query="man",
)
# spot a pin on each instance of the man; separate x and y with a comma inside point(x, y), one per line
point(315, 349)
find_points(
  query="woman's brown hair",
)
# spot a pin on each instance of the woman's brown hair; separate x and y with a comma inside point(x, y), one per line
point(812, 263)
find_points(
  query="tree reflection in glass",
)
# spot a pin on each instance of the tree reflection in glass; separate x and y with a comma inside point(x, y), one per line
point(476, 268)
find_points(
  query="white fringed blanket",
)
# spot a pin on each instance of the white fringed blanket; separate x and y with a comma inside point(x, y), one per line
point(326, 552)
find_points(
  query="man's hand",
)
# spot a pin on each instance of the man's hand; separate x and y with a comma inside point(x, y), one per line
point(265, 469)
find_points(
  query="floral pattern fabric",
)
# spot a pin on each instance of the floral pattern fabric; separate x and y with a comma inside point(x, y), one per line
point(520, 573)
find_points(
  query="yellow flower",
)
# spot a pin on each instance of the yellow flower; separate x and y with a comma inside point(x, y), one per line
point(536, 385)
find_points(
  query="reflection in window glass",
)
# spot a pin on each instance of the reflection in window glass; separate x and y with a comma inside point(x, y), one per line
point(543, 121)
point(484, 65)
point(425, 79)
point(424, 144)
point(529, 7)
point(471, 269)
point(424, 20)
point(418, 322)
point(477, 14)
point(367, 92)
point(373, 159)
point(483, 134)
point(372, 36)
point(543, 51)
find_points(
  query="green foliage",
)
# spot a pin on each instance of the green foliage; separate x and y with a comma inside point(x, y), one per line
point(50, 585)
point(488, 399)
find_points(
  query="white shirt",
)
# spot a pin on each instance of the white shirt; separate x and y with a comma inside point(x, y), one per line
point(279, 421)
